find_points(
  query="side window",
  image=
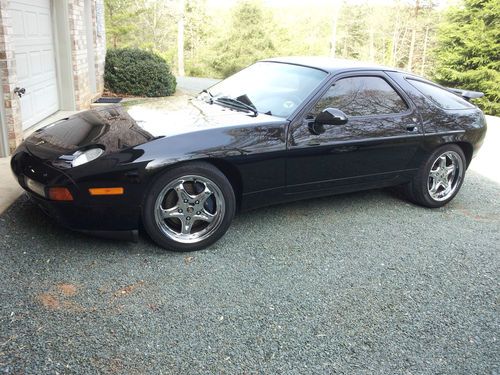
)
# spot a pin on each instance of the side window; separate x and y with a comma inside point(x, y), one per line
point(441, 97)
point(362, 96)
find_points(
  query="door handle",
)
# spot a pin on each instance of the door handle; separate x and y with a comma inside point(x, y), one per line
point(20, 91)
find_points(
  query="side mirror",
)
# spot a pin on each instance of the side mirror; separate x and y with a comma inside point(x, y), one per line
point(331, 116)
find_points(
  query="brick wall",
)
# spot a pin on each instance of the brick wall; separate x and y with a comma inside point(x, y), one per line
point(100, 42)
point(12, 115)
point(78, 36)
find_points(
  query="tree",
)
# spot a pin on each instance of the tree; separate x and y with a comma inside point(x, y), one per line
point(248, 39)
point(353, 34)
point(468, 51)
point(120, 22)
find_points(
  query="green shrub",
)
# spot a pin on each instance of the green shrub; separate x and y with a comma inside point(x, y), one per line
point(136, 72)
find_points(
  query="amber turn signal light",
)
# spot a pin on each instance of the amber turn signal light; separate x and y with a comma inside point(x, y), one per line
point(106, 191)
point(59, 194)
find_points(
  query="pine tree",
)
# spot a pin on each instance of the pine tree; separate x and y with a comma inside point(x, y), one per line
point(248, 39)
point(468, 51)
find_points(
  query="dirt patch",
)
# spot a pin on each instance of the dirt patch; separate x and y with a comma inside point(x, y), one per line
point(476, 217)
point(125, 291)
point(109, 365)
point(59, 297)
point(68, 290)
point(188, 260)
point(49, 301)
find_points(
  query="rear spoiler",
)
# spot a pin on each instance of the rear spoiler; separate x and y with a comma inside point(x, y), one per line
point(466, 94)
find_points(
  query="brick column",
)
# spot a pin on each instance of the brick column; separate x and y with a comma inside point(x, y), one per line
point(100, 42)
point(9, 79)
point(78, 37)
point(78, 40)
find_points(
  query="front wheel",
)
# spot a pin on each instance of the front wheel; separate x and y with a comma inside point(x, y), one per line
point(189, 207)
point(439, 178)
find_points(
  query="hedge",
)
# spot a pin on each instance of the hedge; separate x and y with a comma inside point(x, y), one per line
point(131, 71)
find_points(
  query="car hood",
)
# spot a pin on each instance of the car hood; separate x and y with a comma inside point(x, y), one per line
point(120, 127)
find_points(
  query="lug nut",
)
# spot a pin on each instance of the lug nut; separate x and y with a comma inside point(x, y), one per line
point(188, 218)
point(185, 200)
point(198, 212)
point(179, 210)
point(197, 202)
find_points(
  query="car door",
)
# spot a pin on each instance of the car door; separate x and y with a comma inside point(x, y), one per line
point(376, 147)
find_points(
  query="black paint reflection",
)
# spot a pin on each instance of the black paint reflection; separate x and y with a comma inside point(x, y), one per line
point(362, 96)
point(111, 127)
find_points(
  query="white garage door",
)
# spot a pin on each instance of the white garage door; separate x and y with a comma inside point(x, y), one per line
point(35, 58)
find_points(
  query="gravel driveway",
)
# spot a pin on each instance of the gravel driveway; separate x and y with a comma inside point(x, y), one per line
point(363, 283)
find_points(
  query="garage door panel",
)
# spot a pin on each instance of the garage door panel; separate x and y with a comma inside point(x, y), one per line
point(35, 59)
point(22, 66)
point(26, 106)
point(44, 98)
point(35, 63)
point(36, 84)
point(31, 24)
point(48, 61)
point(17, 23)
point(44, 27)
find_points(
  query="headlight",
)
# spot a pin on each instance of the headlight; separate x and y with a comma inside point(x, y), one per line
point(82, 157)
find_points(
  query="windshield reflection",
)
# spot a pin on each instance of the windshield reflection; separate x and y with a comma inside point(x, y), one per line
point(272, 88)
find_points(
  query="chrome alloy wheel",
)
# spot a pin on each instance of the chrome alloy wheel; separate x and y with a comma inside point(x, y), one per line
point(445, 176)
point(189, 209)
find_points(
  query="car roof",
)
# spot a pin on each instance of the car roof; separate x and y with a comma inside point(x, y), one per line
point(330, 64)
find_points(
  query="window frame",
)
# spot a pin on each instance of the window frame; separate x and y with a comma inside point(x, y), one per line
point(435, 103)
point(364, 73)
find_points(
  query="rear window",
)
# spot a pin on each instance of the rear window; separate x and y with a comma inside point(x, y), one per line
point(441, 97)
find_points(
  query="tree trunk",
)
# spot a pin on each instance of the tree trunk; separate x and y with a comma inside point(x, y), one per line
point(413, 36)
point(180, 40)
point(372, 46)
point(424, 52)
point(346, 38)
point(394, 42)
point(412, 48)
point(333, 41)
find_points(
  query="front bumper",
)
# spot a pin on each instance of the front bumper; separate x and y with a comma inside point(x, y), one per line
point(101, 221)
point(107, 216)
point(81, 222)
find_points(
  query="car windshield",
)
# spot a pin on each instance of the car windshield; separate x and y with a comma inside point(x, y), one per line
point(271, 88)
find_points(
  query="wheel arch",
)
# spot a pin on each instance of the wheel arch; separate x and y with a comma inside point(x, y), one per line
point(228, 169)
point(232, 174)
point(467, 149)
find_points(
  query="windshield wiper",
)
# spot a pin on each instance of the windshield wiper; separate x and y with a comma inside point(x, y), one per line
point(209, 98)
point(207, 92)
point(236, 104)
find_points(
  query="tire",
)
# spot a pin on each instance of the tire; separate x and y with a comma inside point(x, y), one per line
point(189, 207)
point(439, 178)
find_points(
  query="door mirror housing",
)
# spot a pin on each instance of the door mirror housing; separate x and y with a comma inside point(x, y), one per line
point(331, 116)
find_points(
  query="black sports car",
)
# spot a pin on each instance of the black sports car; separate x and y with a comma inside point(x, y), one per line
point(279, 130)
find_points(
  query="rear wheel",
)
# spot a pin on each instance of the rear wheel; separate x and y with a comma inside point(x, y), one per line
point(189, 207)
point(439, 178)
